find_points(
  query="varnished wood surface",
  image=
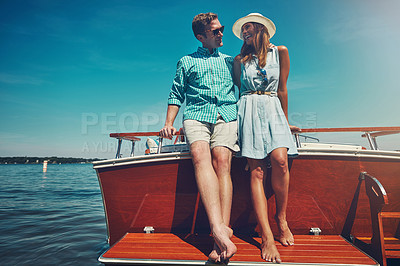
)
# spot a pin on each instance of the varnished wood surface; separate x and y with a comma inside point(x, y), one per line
point(327, 249)
point(392, 246)
point(158, 194)
point(303, 130)
point(349, 129)
point(164, 195)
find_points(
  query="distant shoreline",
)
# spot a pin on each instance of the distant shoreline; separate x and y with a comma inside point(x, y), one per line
point(50, 160)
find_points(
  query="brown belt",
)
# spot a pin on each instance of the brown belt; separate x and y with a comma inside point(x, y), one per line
point(262, 92)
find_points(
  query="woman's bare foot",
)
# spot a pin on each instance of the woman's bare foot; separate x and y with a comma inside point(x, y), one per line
point(269, 252)
point(285, 235)
point(223, 242)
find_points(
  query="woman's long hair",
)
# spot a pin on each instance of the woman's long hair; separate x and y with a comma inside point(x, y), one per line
point(259, 47)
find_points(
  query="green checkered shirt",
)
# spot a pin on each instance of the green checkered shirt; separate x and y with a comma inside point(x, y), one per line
point(206, 81)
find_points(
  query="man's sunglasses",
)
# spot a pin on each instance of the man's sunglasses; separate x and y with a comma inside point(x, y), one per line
point(216, 31)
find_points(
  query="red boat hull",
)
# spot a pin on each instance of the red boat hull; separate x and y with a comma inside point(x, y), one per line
point(160, 191)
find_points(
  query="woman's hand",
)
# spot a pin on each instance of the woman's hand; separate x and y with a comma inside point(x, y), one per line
point(237, 71)
point(294, 129)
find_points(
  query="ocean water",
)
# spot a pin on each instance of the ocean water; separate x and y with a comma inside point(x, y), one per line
point(52, 218)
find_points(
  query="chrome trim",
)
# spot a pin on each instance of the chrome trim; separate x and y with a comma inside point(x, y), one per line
point(372, 141)
point(148, 229)
point(315, 231)
point(160, 141)
point(377, 154)
point(142, 159)
point(297, 139)
point(118, 155)
point(133, 149)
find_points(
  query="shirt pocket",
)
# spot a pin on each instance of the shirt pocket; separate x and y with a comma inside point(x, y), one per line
point(273, 71)
point(223, 77)
point(201, 76)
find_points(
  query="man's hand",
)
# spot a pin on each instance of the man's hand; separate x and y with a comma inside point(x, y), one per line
point(168, 132)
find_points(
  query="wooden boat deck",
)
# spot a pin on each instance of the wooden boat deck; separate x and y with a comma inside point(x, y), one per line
point(392, 246)
point(173, 249)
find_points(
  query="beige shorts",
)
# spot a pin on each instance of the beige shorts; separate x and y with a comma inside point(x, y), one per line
point(219, 134)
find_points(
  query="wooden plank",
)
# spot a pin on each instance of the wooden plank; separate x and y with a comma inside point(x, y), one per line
point(392, 246)
point(393, 254)
point(349, 129)
point(380, 133)
point(326, 250)
point(303, 130)
point(133, 135)
point(390, 214)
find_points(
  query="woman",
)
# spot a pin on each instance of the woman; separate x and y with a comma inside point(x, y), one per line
point(261, 71)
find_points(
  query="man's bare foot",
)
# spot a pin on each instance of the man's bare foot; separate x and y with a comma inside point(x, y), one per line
point(214, 255)
point(222, 239)
point(269, 252)
point(285, 235)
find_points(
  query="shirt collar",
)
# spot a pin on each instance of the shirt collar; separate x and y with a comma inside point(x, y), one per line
point(205, 51)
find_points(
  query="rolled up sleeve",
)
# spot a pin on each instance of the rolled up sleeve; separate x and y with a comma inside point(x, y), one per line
point(177, 93)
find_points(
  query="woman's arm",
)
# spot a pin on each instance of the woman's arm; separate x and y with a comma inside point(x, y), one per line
point(284, 74)
point(237, 71)
point(282, 88)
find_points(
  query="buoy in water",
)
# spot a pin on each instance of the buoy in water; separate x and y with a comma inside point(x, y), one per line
point(44, 166)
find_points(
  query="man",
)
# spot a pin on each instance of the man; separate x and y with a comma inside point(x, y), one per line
point(204, 78)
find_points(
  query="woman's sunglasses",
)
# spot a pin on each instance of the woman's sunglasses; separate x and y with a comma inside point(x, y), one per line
point(261, 72)
point(216, 31)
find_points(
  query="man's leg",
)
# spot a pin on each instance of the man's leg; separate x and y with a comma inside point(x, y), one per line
point(221, 160)
point(209, 188)
point(223, 143)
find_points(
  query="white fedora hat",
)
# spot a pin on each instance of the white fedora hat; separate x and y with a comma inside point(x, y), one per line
point(253, 17)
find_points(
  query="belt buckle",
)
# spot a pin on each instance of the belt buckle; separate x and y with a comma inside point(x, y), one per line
point(259, 92)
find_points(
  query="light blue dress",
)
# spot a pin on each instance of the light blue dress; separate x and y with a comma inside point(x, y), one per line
point(262, 125)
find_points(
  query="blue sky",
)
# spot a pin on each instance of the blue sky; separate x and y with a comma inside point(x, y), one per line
point(71, 72)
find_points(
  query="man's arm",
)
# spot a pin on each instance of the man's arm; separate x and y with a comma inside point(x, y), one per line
point(168, 130)
point(175, 100)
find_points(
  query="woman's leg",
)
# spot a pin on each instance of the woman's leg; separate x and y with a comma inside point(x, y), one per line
point(258, 169)
point(280, 185)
